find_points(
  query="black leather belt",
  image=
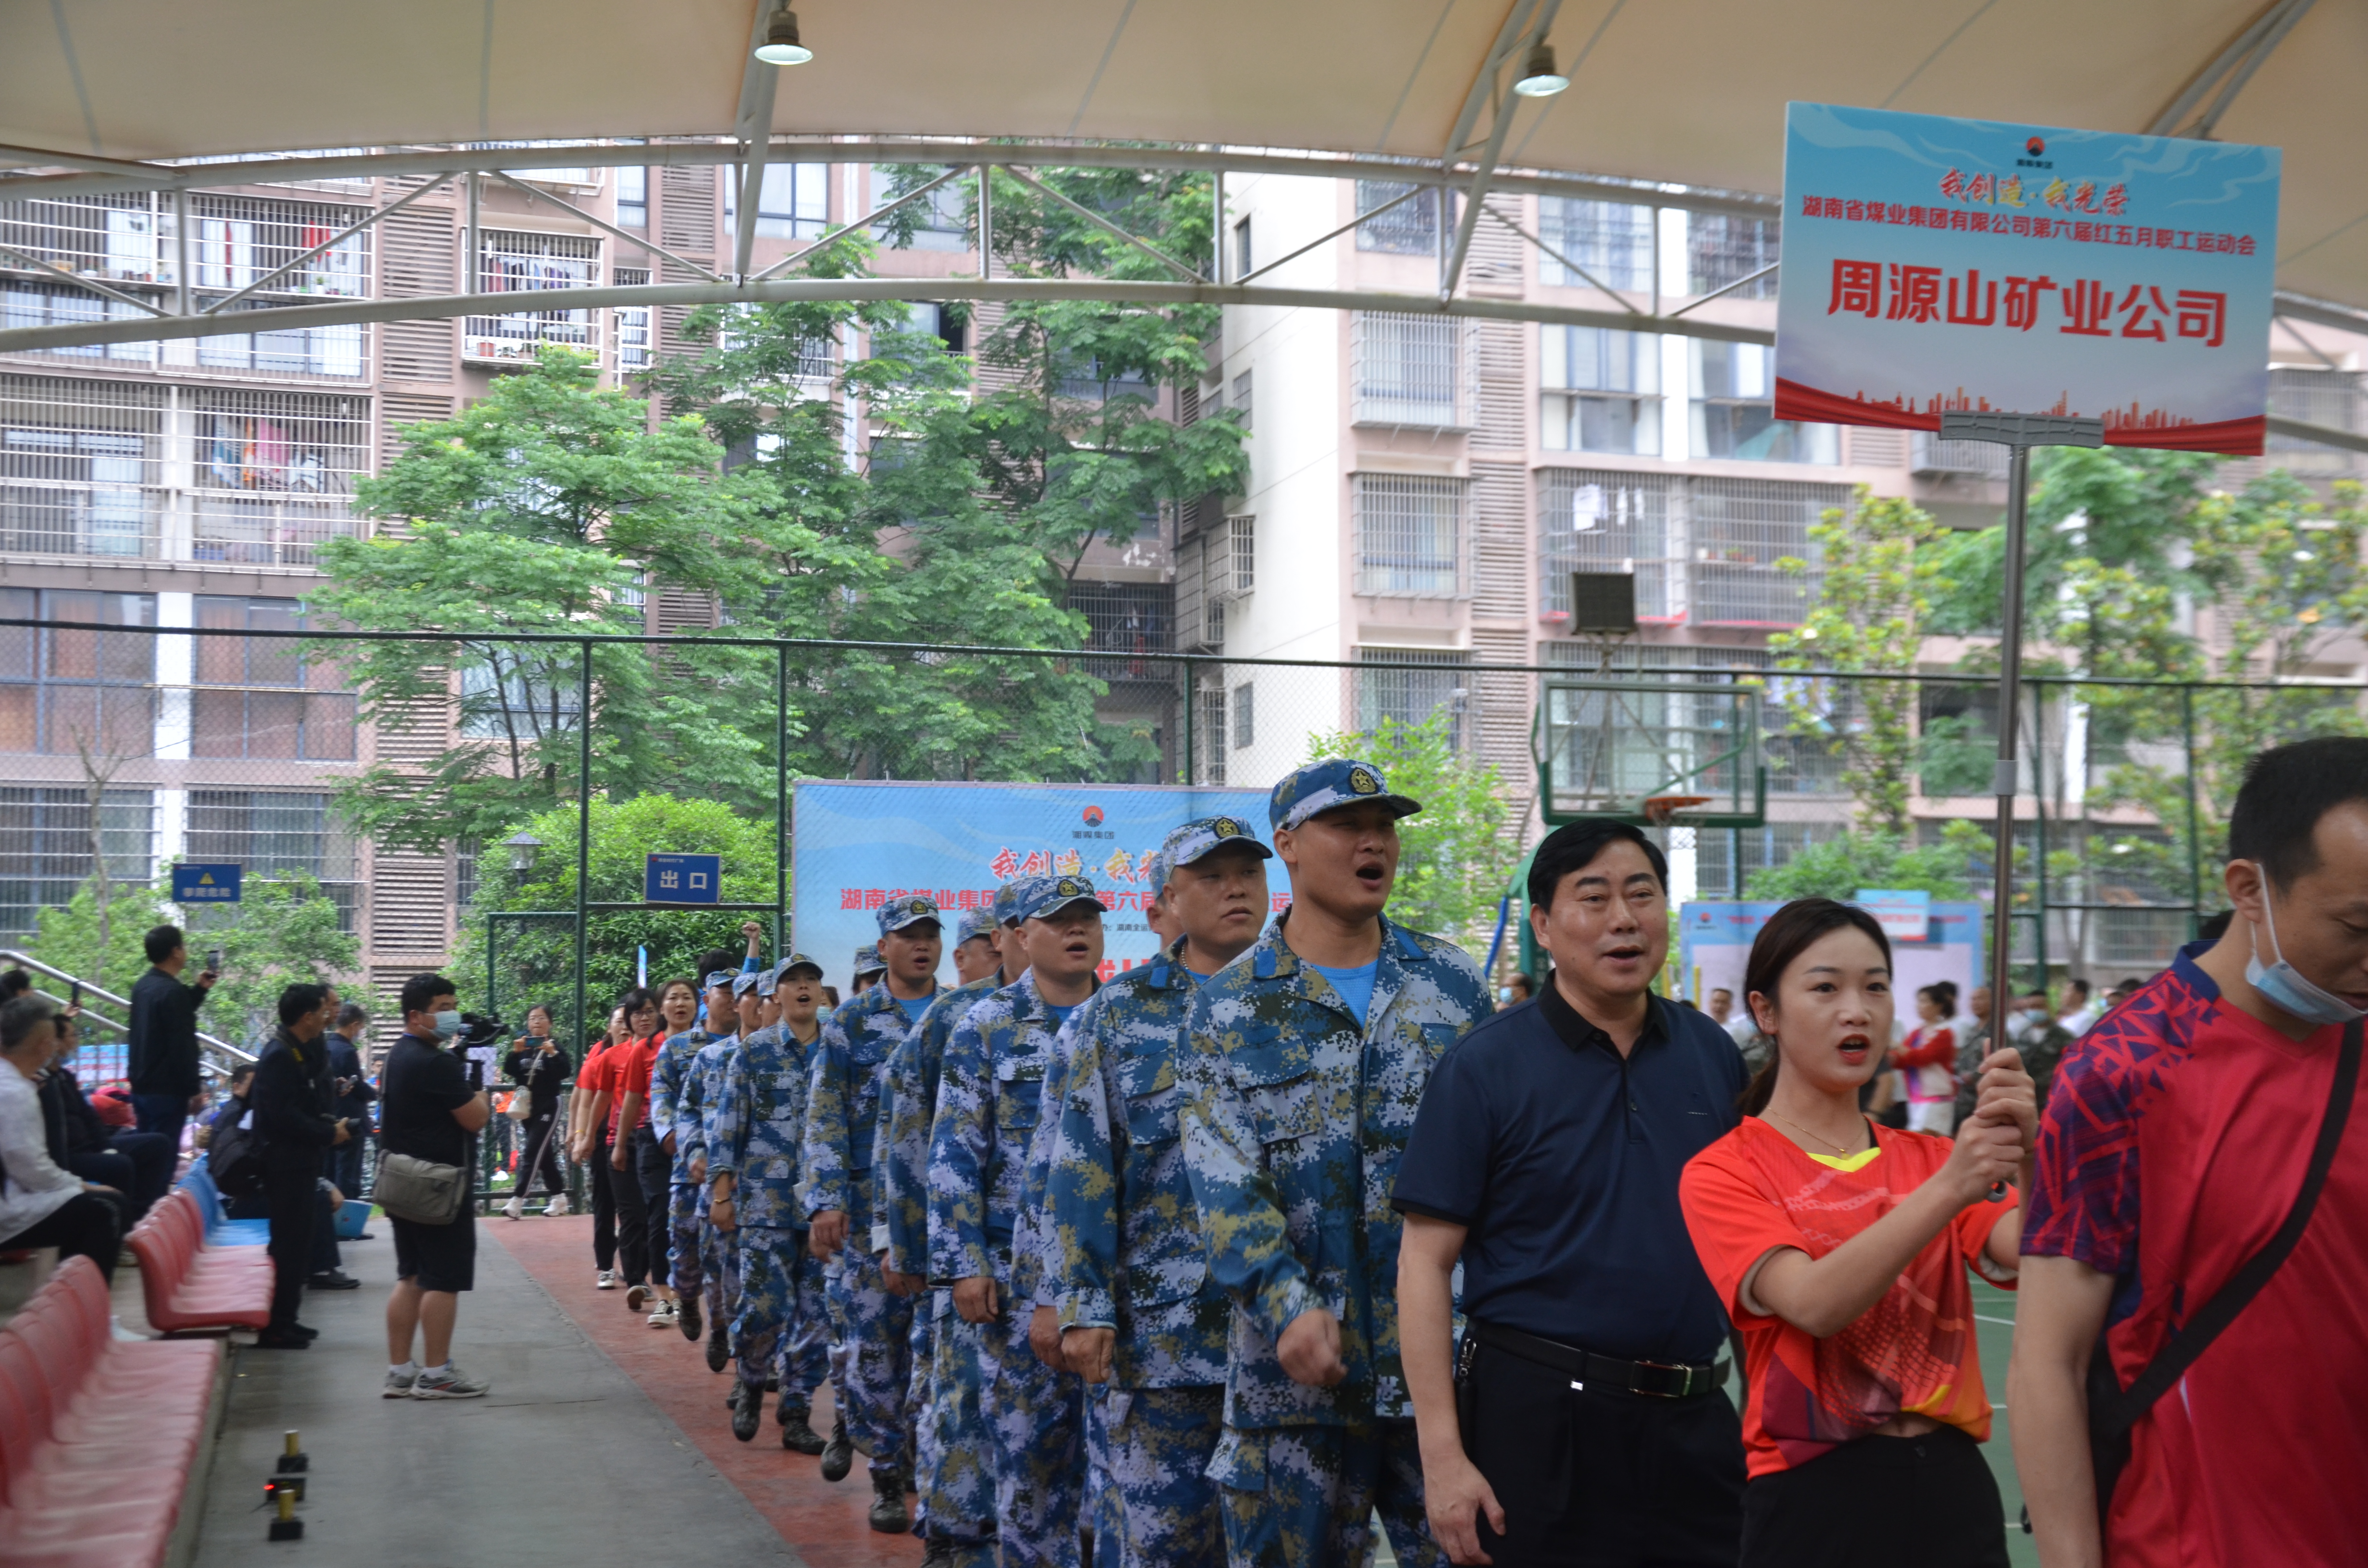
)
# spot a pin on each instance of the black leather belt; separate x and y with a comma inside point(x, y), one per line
point(1586, 1370)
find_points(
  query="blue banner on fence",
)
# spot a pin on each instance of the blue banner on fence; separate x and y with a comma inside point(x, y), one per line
point(857, 844)
point(682, 878)
point(205, 883)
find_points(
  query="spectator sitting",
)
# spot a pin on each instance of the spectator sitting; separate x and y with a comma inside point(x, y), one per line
point(139, 1164)
point(40, 1205)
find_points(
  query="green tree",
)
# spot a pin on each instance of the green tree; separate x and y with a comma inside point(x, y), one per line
point(97, 939)
point(541, 510)
point(1878, 569)
point(1838, 868)
point(535, 961)
point(1453, 863)
point(283, 931)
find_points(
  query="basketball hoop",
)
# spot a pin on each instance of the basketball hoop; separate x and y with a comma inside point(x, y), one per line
point(1659, 809)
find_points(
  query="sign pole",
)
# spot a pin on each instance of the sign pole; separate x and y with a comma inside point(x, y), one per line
point(2017, 433)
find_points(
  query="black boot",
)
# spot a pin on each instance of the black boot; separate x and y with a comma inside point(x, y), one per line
point(686, 1316)
point(839, 1454)
point(888, 1514)
point(719, 1350)
point(748, 1415)
point(796, 1436)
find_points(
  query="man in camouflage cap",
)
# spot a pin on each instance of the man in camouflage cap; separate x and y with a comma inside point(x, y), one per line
point(1137, 1306)
point(994, 1086)
point(753, 1154)
point(1307, 1059)
point(955, 1475)
point(842, 1113)
point(869, 967)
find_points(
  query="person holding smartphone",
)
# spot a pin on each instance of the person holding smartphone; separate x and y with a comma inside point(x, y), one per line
point(541, 1064)
point(162, 1036)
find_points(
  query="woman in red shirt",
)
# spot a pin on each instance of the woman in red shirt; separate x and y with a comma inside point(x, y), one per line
point(1927, 1060)
point(588, 1132)
point(1841, 1251)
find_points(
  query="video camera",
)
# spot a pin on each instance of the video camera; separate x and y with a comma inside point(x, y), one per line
point(481, 1029)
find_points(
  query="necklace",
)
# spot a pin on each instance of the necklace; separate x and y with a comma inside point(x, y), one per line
point(1828, 1142)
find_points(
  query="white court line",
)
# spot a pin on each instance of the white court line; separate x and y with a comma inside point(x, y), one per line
point(2002, 1322)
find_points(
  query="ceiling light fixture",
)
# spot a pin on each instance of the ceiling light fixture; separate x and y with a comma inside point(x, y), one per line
point(781, 46)
point(1539, 77)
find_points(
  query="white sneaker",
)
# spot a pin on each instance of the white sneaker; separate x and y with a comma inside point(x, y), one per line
point(452, 1383)
point(608, 1280)
point(399, 1385)
point(556, 1207)
point(516, 1207)
point(664, 1316)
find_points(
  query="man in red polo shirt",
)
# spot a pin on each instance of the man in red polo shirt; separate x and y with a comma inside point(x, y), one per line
point(2173, 1146)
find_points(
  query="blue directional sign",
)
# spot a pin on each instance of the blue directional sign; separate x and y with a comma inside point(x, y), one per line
point(682, 878)
point(205, 883)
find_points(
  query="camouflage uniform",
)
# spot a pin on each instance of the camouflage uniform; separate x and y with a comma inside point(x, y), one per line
point(955, 1471)
point(759, 1112)
point(679, 1230)
point(718, 1261)
point(1294, 1120)
point(1127, 1257)
point(992, 1083)
point(875, 1327)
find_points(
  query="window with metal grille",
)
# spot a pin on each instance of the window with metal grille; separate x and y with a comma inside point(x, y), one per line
point(1245, 715)
point(792, 203)
point(272, 832)
point(940, 221)
point(274, 473)
point(633, 199)
point(263, 697)
point(517, 263)
point(632, 321)
point(1240, 561)
point(235, 241)
point(1243, 387)
point(2317, 397)
point(1978, 460)
point(464, 872)
point(77, 692)
point(1734, 412)
point(1130, 620)
point(1409, 535)
point(339, 350)
point(1212, 734)
point(1411, 228)
point(1595, 520)
point(1612, 241)
point(1242, 251)
point(1740, 529)
point(1602, 389)
point(1406, 686)
point(24, 303)
point(46, 852)
point(81, 466)
point(1720, 250)
point(1720, 871)
point(1086, 381)
point(525, 694)
point(1410, 369)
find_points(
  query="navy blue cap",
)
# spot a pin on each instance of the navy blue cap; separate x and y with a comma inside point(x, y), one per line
point(899, 913)
point(1335, 781)
point(978, 922)
point(1035, 897)
point(1205, 837)
point(867, 960)
point(723, 977)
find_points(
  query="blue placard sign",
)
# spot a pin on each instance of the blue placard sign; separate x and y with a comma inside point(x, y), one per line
point(682, 878)
point(205, 883)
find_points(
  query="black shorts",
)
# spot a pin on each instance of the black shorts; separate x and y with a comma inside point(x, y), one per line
point(437, 1257)
point(1877, 1502)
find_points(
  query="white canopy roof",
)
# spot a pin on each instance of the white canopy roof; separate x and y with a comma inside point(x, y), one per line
point(1687, 91)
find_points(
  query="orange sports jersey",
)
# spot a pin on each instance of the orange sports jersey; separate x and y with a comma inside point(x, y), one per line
point(1912, 1352)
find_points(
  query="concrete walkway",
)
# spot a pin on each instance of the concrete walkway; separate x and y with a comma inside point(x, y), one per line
point(565, 1463)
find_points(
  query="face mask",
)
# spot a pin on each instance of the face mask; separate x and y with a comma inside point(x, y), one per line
point(448, 1024)
point(2282, 985)
point(2028, 1020)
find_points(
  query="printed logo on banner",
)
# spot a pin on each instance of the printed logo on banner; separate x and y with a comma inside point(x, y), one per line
point(1935, 265)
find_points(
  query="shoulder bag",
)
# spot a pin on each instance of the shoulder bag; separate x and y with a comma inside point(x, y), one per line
point(421, 1191)
point(2113, 1409)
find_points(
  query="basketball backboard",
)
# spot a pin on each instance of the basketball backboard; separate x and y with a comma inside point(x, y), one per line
point(1682, 753)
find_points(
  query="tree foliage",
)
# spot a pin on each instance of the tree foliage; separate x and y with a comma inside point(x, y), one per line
point(1840, 868)
point(1453, 861)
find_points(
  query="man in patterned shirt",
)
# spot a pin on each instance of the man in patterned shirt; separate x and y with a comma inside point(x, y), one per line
point(1308, 1056)
point(1138, 1310)
point(990, 1098)
point(874, 1324)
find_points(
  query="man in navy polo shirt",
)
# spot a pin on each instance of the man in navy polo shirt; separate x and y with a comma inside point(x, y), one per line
point(1583, 1421)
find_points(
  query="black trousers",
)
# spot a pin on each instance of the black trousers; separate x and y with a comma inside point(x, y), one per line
point(1602, 1478)
point(633, 1230)
point(89, 1224)
point(655, 1166)
point(604, 1207)
point(537, 1150)
point(1879, 1501)
point(293, 1195)
point(325, 1256)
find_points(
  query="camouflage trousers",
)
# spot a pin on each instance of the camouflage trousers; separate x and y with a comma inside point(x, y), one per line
point(718, 1262)
point(956, 1472)
point(873, 1366)
point(782, 1322)
point(1305, 1496)
point(1159, 1505)
point(1036, 1416)
point(686, 1217)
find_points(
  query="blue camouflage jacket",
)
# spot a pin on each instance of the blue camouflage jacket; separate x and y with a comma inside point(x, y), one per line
point(909, 1108)
point(843, 1104)
point(760, 1112)
point(1125, 1245)
point(989, 1089)
point(693, 1106)
point(1034, 1244)
point(1294, 1122)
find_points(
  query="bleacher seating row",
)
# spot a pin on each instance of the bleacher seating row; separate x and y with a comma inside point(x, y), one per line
point(190, 1287)
point(99, 1436)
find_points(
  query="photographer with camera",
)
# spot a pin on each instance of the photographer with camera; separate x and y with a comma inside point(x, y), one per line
point(292, 1098)
point(427, 1108)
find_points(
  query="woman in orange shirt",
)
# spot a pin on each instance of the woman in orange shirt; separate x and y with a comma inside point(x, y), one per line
point(1927, 1060)
point(1841, 1251)
point(588, 1131)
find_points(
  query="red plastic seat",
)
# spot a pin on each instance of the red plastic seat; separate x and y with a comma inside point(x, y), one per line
point(188, 1286)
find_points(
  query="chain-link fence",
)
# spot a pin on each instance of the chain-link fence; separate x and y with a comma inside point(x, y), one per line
point(233, 735)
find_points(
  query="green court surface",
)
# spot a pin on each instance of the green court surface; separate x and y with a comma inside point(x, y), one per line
point(1994, 1316)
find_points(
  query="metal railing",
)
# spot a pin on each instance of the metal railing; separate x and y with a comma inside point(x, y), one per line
point(220, 1048)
